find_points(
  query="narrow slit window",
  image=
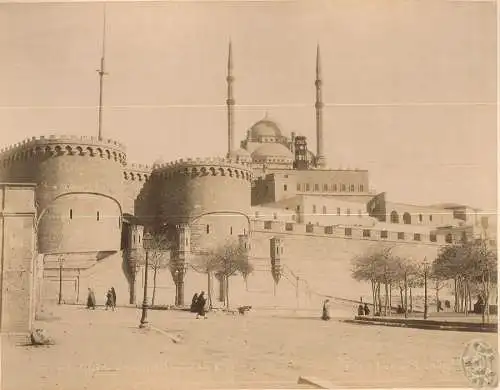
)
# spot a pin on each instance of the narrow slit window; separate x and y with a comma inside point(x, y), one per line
point(70, 213)
point(98, 216)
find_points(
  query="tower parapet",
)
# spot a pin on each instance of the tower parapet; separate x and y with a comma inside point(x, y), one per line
point(79, 189)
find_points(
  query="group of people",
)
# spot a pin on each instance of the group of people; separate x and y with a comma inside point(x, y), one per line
point(110, 299)
point(198, 304)
point(363, 310)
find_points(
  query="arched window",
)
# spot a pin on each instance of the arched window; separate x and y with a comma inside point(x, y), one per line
point(335, 188)
point(361, 188)
point(407, 218)
point(324, 210)
point(420, 218)
point(352, 187)
point(314, 209)
point(338, 210)
point(394, 217)
point(343, 188)
point(348, 212)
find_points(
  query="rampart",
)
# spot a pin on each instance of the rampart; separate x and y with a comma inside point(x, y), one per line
point(79, 189)
point(134, 178)
point(190, 188)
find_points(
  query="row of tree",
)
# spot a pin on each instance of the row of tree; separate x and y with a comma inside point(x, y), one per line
point(471, 266)
point(223, 261)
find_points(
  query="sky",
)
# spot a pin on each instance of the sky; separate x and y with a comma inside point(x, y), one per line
point(410, 87)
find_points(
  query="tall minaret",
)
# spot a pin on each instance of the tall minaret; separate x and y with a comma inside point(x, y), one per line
point(101, 71)
point(320, 156)
point(230, 102)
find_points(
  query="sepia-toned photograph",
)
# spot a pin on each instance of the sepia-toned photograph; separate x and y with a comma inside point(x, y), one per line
point(248, 194)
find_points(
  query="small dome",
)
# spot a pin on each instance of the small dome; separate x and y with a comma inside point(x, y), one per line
point(265, 128)
point(272, 150)
point(240, 155)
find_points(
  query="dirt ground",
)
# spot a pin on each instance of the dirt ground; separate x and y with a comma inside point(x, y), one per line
point(264, 349)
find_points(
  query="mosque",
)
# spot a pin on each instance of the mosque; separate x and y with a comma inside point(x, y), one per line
point(301, 221)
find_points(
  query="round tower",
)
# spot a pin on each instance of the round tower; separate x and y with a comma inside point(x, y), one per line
point(212, 196)
point(79, 190)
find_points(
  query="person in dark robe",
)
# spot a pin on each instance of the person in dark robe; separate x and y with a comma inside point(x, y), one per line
point(194, 302)
point(200, 306)
point(91, 300)
point(109, 300)
point(113, 293)
point(367, 310)
point(439, 306)
point(326, 310)
point(361, 310)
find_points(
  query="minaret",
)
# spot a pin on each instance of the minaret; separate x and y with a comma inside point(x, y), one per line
point(320, 156)
point(230, 102)
point(102, 73)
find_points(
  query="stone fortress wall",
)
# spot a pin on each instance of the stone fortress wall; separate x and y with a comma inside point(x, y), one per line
point(79, 190)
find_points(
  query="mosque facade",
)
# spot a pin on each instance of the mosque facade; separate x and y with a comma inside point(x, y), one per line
point(272, 192)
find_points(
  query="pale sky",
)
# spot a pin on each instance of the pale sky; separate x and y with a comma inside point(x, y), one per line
point(409, 86)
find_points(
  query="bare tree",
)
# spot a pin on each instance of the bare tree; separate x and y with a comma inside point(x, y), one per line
point(228, 259)
point(158, 257)
point(204, 263)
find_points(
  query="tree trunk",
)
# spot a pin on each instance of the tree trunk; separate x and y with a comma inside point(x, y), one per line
point(437, 296)
point(390, 298)
point(379, 300)
point(487, 299)
point(373, 296)
point(455, 306)
point(411, 302)
point(227, 291)
point(386, 298)
point(406, 295)
point(401, 296)
point(155, 271)
point(209, 288)
point(464, 297)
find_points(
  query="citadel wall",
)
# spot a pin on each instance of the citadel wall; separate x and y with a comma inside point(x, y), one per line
point(79, 189)
point(134, 178)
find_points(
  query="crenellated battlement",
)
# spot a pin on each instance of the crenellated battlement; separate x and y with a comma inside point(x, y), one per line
point(139, 172)
point(57, 145)
point(212, 166)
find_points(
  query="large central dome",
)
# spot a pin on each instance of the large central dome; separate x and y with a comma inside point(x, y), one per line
point(272, 151)
point(265, 128)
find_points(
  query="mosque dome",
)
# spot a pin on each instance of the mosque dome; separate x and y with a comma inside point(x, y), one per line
point(273, 151)
point(265, 128)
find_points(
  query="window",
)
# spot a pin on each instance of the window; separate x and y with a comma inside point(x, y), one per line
point(348, 212)
point(407, 218)
point(449, 239)
point(298, 207)
point(420, 218)
point(275, 215)
point(366, 232)
point(343, 188)
point(361, 188)
point(328, 229)
point(309, 228)
point(383, 234)
point(335, 188)
point(352, 188)
point(325, 187)
point(285, 187)
point(70, 213)
point(324, 210)
point(338, 210)
point(394, 217)
point(231, 230)
point(139, 237)
point(298, 186)
point(289, 227)
point(433, 237)
point(348, 232)
point(314, 209)
point(97, 216)
point(430, 217)
point(401, 236)
point(268, 225)
point(416, 237)
point(316, 187)
point(208, 229)
point(308, 187)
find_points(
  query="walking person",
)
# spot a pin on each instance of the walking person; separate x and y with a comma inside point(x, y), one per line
point(194, 302)
point(200, 305)
point(326, 310)
point(91, 299)
point(109, 300)
point(113, 293)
